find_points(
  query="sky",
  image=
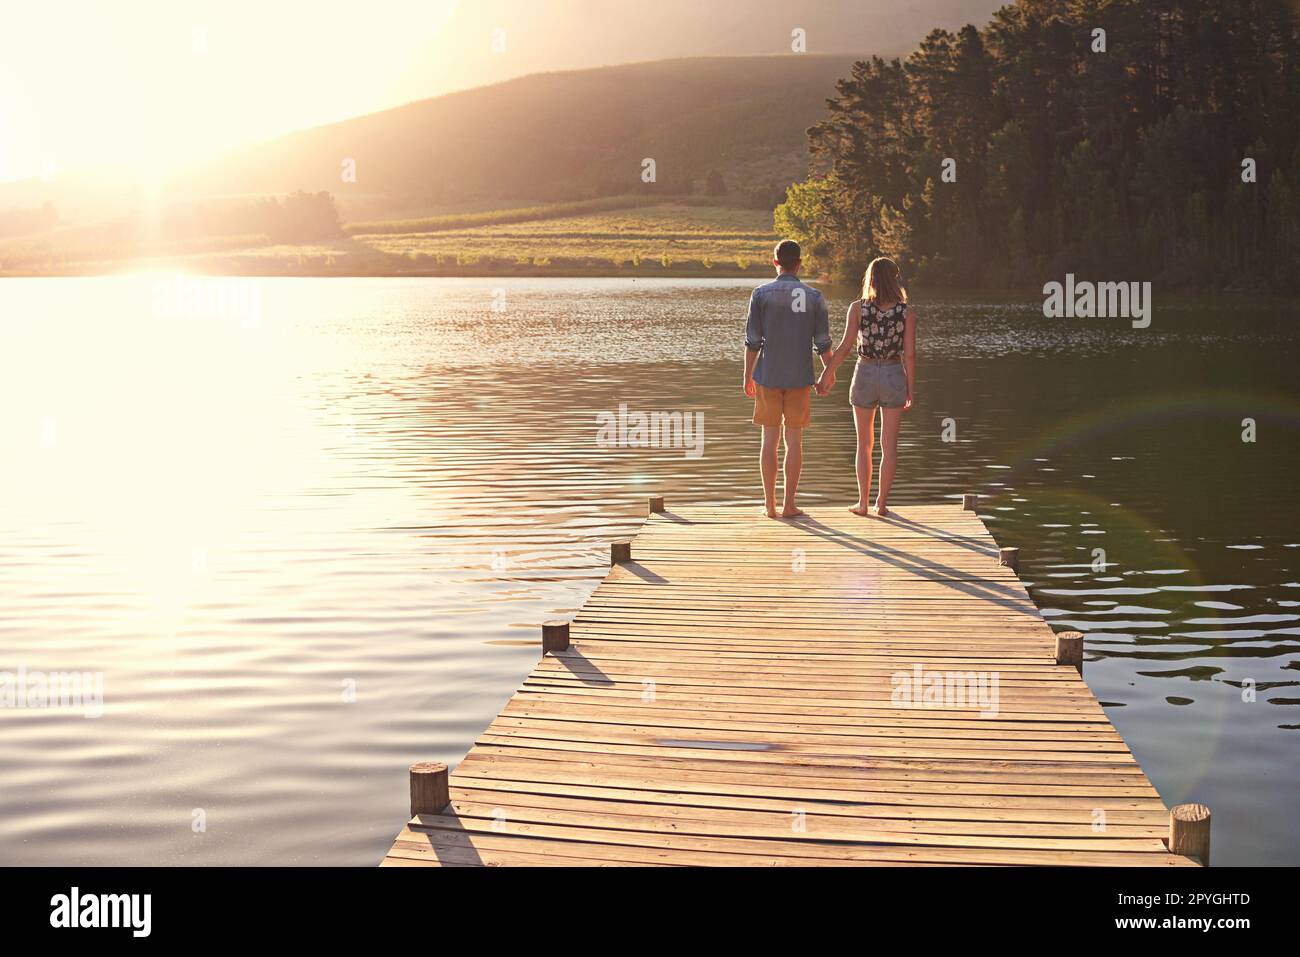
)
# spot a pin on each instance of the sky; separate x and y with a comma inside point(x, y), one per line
point(144, 86)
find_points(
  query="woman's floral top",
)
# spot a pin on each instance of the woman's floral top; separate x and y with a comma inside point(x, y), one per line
point(880, 331)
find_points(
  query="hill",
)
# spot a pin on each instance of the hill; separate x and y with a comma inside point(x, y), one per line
point(736, 123)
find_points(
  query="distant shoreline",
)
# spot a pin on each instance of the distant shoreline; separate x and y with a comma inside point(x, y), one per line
point(616, 237)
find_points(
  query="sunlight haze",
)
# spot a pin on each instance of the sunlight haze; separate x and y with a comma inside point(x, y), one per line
point(145, 86)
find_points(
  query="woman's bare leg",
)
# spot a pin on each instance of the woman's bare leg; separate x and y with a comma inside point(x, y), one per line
point(890, 420)
point(865, 422)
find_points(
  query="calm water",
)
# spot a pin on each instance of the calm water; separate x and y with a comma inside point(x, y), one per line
point(306, 529)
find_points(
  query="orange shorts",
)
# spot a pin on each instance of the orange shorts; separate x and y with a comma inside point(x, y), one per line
point(792, 405)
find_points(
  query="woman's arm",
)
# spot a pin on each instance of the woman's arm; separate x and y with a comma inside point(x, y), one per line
point(851, 320)
point(909, 352)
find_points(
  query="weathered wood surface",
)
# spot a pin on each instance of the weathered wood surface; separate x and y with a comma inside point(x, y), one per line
point(729, 696)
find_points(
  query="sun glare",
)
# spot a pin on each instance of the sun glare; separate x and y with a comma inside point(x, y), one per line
point(153, 85)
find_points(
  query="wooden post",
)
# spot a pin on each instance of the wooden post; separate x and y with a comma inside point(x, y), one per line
point(1189, 832)
point(1010, 557)
point(555, 636)
point(654, 504)
point(620, 552)
point(429, 793)
point(1069, 649)
point(969, 501)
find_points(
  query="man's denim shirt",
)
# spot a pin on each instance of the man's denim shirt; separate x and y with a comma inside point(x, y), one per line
point(787, 323)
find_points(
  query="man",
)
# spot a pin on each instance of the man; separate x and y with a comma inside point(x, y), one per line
point(787, 321)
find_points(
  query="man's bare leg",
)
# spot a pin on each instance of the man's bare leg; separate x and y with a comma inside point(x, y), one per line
point(865, 421)
point(767, 466)
point(793, 466)
point(890, 420)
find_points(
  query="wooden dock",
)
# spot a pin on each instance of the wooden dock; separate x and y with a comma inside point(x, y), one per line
point(742, 691)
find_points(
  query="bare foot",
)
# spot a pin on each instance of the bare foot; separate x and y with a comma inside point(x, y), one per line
point(858, 509)
point(769, 511)
point(791, 511)
point(881, 510)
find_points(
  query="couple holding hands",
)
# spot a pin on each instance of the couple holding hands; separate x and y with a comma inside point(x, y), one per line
point(788, 321)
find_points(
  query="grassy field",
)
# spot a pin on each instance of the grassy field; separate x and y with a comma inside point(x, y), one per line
point(664, 236)
point(494, 216)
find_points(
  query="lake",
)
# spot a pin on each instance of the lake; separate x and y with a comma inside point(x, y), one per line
point(306, 530)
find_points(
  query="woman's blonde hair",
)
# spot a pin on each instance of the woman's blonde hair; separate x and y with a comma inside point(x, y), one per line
point(882, 281)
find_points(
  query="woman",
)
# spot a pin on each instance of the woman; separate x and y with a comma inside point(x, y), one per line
point(884, 327)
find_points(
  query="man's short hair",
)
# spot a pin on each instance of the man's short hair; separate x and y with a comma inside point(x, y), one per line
point(788, 253)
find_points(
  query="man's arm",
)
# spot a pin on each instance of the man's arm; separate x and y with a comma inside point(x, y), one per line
point(822, 331)
point(751, 359)
point(753, 340)
point(822, 344)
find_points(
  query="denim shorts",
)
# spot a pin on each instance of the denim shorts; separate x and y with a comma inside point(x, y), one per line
point(879, 384)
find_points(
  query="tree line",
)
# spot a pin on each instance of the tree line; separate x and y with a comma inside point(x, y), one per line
point(1118, 139)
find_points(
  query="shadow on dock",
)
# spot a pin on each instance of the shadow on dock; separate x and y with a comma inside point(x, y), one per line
point(643, 573)
point(1006, 596)
point(451, 842)
point(582, 668)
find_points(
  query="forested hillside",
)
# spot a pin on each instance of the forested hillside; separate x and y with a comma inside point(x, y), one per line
point(1164, 149)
